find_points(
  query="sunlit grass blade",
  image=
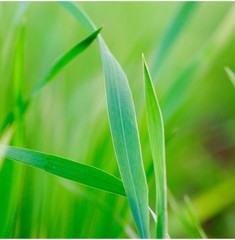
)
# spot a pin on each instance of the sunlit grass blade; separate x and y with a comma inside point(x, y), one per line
point(68, 169)
point(157, 144)
point(66, 58)
point(176, 26)
point(200, 64)
point(123, 128)
point(231, 75)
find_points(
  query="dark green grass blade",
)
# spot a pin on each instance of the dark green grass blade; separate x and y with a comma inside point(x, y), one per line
point(157, 144)
point(231, 75)
point(123, 127)
point(68, 169)
point(65, 59)
point(176, 26)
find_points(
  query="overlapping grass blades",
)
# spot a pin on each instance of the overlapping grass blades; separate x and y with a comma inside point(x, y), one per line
point(157, 144)
point(176, 26)
point(231, 75)
point(124, 129)
point(68, 169)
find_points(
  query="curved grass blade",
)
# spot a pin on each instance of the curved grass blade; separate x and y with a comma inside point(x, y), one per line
point(157, 144)
point(77, 172)
point(123, 128)
point(65, 59)
point(231, 75)
point(176, 26)
point(55, 69)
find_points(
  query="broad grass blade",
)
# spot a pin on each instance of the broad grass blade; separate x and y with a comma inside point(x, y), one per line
point(157, 144)
point(176, 26)
point(124, 128)
point(125, 137)
point(77, 172)
point(231, 75)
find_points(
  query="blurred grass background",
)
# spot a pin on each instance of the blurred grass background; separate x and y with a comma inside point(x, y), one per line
point(69, 118)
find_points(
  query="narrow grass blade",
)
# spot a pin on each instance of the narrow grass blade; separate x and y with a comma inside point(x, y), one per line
point(68, 169)
point(55, 69)
point(231, 75)
point(192, 216)
point(157, 144)
point(65, 59)
point(124, 129)
point(176, 26)
point(184, 83)
point(188, 222)
point(80, 15)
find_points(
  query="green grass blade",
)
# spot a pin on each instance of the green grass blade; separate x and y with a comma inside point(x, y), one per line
point(231, 75)
point(68, 169)
point(125, 137)
point(5, 140)
point(192, 216)
point(180, 89)
point(176, 26)
point(80, 15)
point(55, 69)
point(65, 59)
point(157, 144)
point(123, 127)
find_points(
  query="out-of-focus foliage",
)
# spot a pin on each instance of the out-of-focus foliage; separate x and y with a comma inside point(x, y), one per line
point(69, 116)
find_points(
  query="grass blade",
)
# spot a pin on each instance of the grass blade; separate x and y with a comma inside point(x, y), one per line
point(173, 31)
point(123, 128)
point(126, 139)
point(231, 75)
point(192, 216)
point(68, 169)
point(65, 59)
point(180, 89)
point(157, 144)
point(55, 69)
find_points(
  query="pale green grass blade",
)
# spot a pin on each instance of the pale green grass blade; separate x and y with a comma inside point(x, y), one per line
point(80, 15)
point(68, 169)
point(157, 144)
point(123, 128)
point(125, 137)
point(65, 59)
point(182, 214)
point(184, 83)
point(190, 211)
point(231, 75)
point(176, 26)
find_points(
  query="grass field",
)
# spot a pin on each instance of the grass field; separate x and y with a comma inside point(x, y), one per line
point(145, 106)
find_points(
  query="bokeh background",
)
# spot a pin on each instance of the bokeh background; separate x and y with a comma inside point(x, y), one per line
point(69, 117)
